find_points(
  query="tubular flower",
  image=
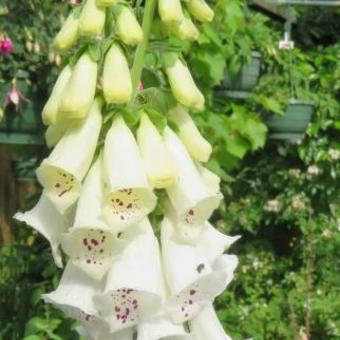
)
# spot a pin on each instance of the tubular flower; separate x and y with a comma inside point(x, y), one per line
point(54, 133)
point(117, 83)
point(134, 285)
point(192, 281)
point(51, 108)
point(68, 34)
point(80, 90)
point(200, 10)
point(128, 28)
point(198, 147)
point(104, 334)
point(183, 86)
point(129, 196)
point(106, 3)
point(62, 172)
point(45, 219)
point(191, 199)
point(90, 241)
point(186, 29)
point(74, 296)
point(159, 165)
point(207, 326)
point(170, 11)
point(92, 19)
point(211, 180)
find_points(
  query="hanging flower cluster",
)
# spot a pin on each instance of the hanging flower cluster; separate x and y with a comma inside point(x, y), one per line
point(100, 180)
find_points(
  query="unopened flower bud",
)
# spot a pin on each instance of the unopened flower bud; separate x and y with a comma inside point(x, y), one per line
point(186, 30)
point(92, 19)
point(200, 10)
point(117, 84)
point(128, 28)
point(170, 11)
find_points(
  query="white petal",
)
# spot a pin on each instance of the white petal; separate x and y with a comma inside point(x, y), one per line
point(192, 281)
point(130, 197)
point(207, 326)
point(103, 333)
point(159, 328)
point(211, 180)
point(134, 285)
point(62, 172)
point(213, 243)
point(90, 241)
point(159, 165)
point(192, 200)
point(74, 297)
point(47, 221)
point(198, 147)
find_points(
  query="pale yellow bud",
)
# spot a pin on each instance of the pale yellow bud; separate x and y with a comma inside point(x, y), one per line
point(200, 10)
point(128, 28)
point(106, 3)
point(170, 11)
point(92, 19)
point(117, 84)
point(186, 30)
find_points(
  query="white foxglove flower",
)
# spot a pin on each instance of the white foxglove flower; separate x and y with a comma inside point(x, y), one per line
point(170, 11)
point(134, 285)
point(62, 172)
point(90, 241)
point(45, 219)
point(198, 147)
point(128, 28)
point(130, 197)
point(117, 83)
point(183, 86)
point(192, 281)
point(186, 29)
point(158, 163)
point(78, 94)
point(160, 328)
point(200, 10)
point(92, 19)
point(211, 180)
point(213, 243)
point(54, 133)
point(191, 199)
point(206, 325)
point(68, 34)
point(74, 296)
point(51, 108)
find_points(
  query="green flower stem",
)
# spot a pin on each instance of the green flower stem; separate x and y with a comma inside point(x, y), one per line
point(137, 67)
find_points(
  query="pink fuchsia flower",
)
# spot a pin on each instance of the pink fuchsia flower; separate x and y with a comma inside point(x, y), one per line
point(6, 46)
point(75, 2)
point(14, 96)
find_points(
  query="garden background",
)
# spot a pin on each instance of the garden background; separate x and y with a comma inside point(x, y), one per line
point(281, 194)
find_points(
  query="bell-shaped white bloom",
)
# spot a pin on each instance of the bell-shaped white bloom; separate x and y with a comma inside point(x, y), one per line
point(200, 10)
point(191, 199)
point(106, 3)
point(90, 241)
point(160, 328)
point(192, 281)
point(186, 29)
point(183, 86)
point(211, 180)
point(51, 108)
point(104, 334)
point(45, 219)
point(130, 197)
point(62, 172)
point(205, 325)
point(68, 34)
point(134, 285)
point(170, 11)
point(80, 90)
point(128, 28)
point(198, 147)
point(74, 296)
point(159, 166)
point(213, 243)
point(117, 83)
point(92, 19)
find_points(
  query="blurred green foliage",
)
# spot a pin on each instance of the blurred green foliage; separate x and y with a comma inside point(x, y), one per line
point(283, 198)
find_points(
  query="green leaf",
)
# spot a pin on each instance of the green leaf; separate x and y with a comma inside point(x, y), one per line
point(236, 145)
point(157, 119)
point(95, 52)
point(256, 133)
